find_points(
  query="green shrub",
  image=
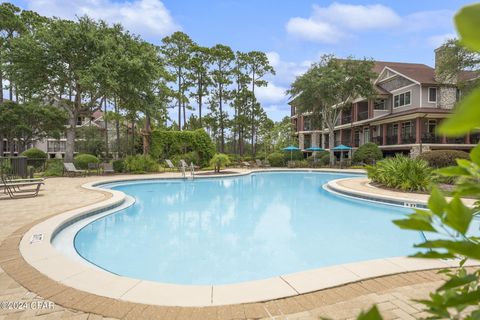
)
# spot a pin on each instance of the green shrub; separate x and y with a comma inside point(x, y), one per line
point(368, 153)
point(219, 160)
point(401, 172)
point(82, 160)
point(5, 166)
point(443, 158)
point(325, 159)
point(298, 164)
point(140, 164)
point(118, 165)
point(294, 155)
point(167, 144)
point(54, 168)
point(34, 153)
point(36, 157)
point(276, 159)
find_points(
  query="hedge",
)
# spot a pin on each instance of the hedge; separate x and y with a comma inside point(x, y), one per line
point(140, 164)
point(36, 157)
point(443, 158)
point(82, 160)
point(276, 159)
point(167, 144)
point(367, 153)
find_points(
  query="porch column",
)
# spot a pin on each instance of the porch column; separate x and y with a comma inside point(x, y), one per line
point(384, 134)
point(301, 141)
point(341, 136)
point(370, 108)
point(314, 139)
point(301, 124)
point(340, 117)
point(444, 139)
point(354, 110)
point(399, 133)
point(418, 127)
point(467, 138)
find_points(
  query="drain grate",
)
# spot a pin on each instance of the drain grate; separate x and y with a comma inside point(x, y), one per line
point(38, 237)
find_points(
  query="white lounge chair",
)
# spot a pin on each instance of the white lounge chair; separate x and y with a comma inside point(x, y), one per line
point(70, 170)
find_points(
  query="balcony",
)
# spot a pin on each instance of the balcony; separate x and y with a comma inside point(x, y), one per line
point(392, 140)
point(431, 138)
point(363, 115)
point(378, 140)
point(346, 119)
point(456, 140)
point(407, 139)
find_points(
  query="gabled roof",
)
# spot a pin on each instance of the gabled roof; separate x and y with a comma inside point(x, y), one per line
point(416, 71)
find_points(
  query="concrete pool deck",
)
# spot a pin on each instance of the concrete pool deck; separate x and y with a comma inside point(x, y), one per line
point(19, 216)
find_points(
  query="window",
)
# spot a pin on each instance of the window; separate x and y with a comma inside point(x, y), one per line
point(402, 99)
point(432, 94)
point(379, 104)
point(407, 128)
point(366, 135)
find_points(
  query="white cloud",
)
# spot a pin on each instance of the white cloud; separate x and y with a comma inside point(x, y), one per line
point(286, 71)
point(148, 18)
point(271, 94)
point(334, 22)
point(437, 40)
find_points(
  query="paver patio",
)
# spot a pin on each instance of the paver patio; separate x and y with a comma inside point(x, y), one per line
point(392, 293)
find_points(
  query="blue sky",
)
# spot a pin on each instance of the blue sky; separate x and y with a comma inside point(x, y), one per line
point(294, 33)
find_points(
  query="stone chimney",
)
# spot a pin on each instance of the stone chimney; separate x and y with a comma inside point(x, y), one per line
point(442, 52)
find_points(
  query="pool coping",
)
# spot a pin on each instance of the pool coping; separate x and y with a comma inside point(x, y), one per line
point(68, 272)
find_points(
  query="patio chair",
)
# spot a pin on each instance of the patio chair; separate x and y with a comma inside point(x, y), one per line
point(94, 166)
point(70, 170)
point(184, 164)
point(245, 164)
point(170, 164)
point(259, 163)
point(9, 178)
point(15, 190)
point(107, 168)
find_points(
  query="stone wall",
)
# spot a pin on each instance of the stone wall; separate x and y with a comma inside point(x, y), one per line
point(301, 140)
point(447, 97)
point(415, 150)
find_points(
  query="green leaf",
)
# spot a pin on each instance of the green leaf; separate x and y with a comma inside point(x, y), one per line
point(437, 202)
point(371, 314)
point(472, 297)
point(457, 282)
point(464, 248)
point(458, 215)
point(468, 24)
point(475, 155)
point(415, 224)
point(453, 171)
point(433, 255)
point(466, 118)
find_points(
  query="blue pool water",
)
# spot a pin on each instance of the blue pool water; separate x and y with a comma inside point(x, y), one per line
point(227, 230)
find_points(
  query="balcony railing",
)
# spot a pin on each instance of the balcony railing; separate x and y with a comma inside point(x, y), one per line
point(346, 119)
point(392, 139)
point(378, 140)
point(362, 115)
point(431, 138)
point(406, 139)
point(456, 140)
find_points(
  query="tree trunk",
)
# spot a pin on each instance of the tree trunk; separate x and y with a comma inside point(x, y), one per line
point(253, 111)
point(179, 100)
point(222, 133)
point(184, 116)
point(133, 137)
point(146, 134)
point(71, 131)
point(117, 125)
point(1, 90)
point(106, 127)
point(331, 144)
point(200, 96)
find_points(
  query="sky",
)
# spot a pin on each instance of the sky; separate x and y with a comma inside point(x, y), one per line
point(293, 33)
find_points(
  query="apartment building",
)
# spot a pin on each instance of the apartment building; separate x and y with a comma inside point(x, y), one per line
point(55, 148)
point(409, 105)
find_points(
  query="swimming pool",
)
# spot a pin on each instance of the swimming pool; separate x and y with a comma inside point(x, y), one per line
point(235, 229)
